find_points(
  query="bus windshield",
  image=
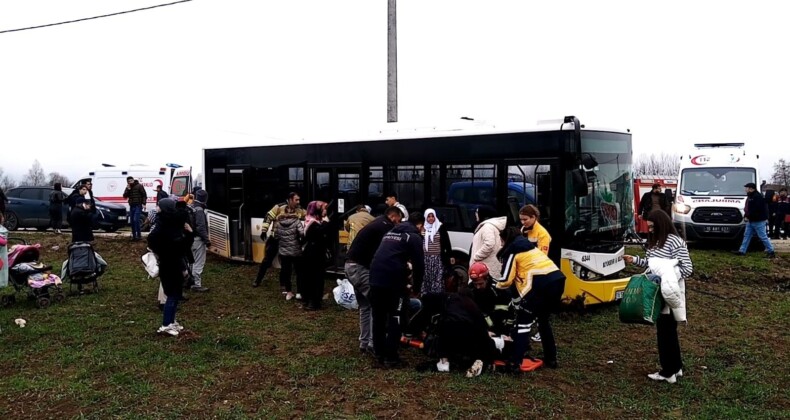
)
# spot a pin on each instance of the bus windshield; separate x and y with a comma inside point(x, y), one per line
point(716, 181)
point(607, 209)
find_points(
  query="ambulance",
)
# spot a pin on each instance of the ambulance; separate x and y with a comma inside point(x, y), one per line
point(109, 181)
point(710, 200)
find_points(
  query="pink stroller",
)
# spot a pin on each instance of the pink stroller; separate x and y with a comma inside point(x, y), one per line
point(27, 273)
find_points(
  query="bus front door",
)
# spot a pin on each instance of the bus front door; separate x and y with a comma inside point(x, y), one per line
point(340, 187)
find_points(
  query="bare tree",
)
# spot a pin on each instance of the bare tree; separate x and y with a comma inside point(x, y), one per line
point(781, 173)
point(665, 164)
point(55, 177)
point(6, 182)
point(35, 176)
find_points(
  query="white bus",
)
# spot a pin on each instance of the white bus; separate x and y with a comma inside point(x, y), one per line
point(579, 177)
point(710, 200)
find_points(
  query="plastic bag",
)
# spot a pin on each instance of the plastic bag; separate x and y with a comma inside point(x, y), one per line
point(641, 302)
point(151, 264)
point(344, 294)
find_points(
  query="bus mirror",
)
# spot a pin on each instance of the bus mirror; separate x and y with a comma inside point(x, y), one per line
point(579, 179)
point(589, 162)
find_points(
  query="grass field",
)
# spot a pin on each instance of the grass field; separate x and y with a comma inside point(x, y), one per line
point(250, 354)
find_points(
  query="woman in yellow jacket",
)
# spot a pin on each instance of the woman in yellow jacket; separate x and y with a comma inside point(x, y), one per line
point(532, 229)
point(536, 285)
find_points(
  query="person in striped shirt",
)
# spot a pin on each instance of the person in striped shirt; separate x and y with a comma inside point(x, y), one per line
point(663, 241)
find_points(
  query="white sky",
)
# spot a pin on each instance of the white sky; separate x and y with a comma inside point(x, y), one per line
point(159, 85)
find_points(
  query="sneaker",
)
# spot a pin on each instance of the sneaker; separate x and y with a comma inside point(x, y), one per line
point(199, 289)
point(289, 296)
point(770, 254)
point(256, 283)
point(442, 367)
point(298, 296)
point(536, 338)
point(168, 330)
point(657, 377)
point(177, 326)
point(680, 373)
point(367, 351)
point(738, 253)
point(475, 370)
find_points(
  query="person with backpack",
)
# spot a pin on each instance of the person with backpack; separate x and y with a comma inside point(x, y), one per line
point(56, 199)
point(199, 223)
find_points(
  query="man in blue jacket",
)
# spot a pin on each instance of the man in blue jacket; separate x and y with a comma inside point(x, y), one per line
point(756, 215)
point(389, 285)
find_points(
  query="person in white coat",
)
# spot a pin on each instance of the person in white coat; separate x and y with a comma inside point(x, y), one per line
point(667, 256)
point(487, 241)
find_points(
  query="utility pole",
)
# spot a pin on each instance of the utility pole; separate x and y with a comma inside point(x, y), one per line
point(392, 63)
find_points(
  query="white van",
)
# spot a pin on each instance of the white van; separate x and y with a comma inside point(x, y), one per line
point(109, 181)
point(710, 200)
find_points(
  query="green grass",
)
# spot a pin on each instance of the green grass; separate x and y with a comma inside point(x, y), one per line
point(254, 355)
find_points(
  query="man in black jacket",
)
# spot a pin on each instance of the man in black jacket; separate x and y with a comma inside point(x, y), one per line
point(357, 268)
point(135, 193)
point(756, 215)
point(389, 278)
point(653, 200)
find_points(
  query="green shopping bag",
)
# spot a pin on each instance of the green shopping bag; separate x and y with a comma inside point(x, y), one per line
point(641, 302)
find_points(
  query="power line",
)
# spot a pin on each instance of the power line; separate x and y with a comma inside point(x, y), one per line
point(94, 17)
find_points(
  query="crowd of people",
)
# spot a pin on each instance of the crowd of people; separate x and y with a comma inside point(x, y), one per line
point(399, 265)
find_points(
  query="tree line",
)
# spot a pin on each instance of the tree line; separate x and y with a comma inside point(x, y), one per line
point(35, 177)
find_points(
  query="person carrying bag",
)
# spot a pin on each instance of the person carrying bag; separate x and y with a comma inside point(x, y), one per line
point(668, 257)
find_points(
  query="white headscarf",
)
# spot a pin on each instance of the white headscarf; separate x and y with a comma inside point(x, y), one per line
point(431, 229)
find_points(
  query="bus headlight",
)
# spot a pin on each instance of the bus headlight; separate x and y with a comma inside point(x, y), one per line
point(682, 208)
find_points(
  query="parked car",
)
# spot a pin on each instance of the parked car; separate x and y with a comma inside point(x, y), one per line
point(28, 207)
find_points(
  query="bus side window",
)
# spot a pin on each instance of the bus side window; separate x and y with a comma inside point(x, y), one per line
point(513, 207)
point(452, 217)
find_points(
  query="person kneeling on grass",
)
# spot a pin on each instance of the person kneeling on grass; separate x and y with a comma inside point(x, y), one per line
point(536, 285)
point(460, 332)
point(168, 241)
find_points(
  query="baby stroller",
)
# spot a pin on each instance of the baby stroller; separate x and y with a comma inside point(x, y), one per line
point(27, 273)
point(83, 267)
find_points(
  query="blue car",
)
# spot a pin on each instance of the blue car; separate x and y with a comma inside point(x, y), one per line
point(28, 207)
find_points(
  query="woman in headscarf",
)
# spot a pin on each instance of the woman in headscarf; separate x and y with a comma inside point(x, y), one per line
point(437, 251)
point(315, 254)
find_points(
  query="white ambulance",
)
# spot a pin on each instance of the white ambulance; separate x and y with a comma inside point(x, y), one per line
point(109, 181)
point(710, 200)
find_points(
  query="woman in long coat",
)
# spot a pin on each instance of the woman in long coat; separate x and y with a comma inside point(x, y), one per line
point(315, 255)
point(169, 242)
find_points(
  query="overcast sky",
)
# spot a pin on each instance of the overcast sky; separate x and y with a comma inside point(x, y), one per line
point(159, 85)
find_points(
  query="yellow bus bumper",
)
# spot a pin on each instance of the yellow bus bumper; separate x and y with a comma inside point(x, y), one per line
point(583, 292)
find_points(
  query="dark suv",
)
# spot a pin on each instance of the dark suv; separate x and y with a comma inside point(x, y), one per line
point(28, 207)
